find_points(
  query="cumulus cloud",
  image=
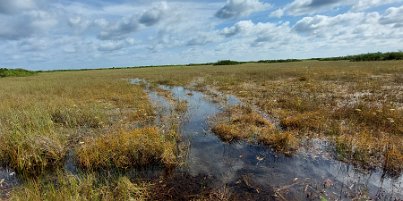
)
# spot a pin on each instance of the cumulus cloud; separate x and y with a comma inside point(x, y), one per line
point(15, 6)
point(240, 27)
point(119, 29)
point(82, 33)
point(303, 7)
point(394, 16)
point(348, 29)
point(365, 4)
point(236, 8)
point(111, 45)
point(203, 39)
point(79, 22)
point(11, 31)
point(310, 7)
point(154, 15)
point(277, 13)
point(261, 32)
point(322, 24)
point(25, 25)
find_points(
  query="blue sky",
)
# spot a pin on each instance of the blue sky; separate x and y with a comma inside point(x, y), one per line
point(67, 34)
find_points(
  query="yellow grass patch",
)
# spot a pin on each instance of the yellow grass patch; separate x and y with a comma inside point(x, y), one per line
point(137, 148)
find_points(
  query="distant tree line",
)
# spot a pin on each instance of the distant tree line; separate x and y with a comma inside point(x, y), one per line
point(378, 56)
point(4, 72)
point(226, 62)
point(279, 61)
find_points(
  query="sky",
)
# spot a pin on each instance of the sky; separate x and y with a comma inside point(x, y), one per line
point(73, 34)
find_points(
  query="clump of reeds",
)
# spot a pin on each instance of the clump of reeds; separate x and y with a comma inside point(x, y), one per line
point(284, 142)
point(181, 106)
point(30, 144)
point(366, 150)
point(31, 155)
point(137, 148)
point(80, 187)
point(243, 123)
point(227, 132)
point(79, 117)
point(307, 121)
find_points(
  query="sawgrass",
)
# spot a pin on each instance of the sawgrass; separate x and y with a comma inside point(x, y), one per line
point(242, 123)
point(89, 186)
point(43, 116)
point(311, 98)
point(136, 148)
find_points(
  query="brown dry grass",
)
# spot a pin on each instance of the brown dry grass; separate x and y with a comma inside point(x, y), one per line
point(81, 187)
point(312, 98)
point(239, 122)
point(356, 105)
point(46, 116)
point(136, 148)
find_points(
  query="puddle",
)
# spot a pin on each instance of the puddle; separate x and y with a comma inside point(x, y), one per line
point(301, 177)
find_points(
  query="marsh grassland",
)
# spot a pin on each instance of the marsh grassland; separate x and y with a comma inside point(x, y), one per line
point(358, 106)
point(103, 126)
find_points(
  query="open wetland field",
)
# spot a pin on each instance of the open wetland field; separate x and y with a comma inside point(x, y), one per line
point(300, 130)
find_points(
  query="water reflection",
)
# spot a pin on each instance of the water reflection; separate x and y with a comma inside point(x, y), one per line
point(301, 177)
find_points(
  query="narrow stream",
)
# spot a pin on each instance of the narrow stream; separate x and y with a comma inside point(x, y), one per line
point(244, 167)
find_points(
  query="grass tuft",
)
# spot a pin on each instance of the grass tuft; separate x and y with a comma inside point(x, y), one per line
point(137, 148)
point(243, 123)
point(84, 187)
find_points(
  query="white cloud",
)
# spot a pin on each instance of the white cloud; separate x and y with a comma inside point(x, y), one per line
point(365, 4)
point(236, 8)
point(349, 29)
point(303, 7)
point(26, 24)
point(310, 7)
point(119, 29)
point(277, 13)
point(111, 45)
point(394, 16)
point(15, 6)
point(154, 15)
point(87, 34)
point(79, 22)
point(240, 27)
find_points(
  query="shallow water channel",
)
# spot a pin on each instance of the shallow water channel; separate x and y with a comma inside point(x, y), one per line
point(256, 170)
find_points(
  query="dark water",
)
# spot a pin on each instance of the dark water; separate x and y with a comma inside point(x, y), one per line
point(301, 177)
point(8, 180)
